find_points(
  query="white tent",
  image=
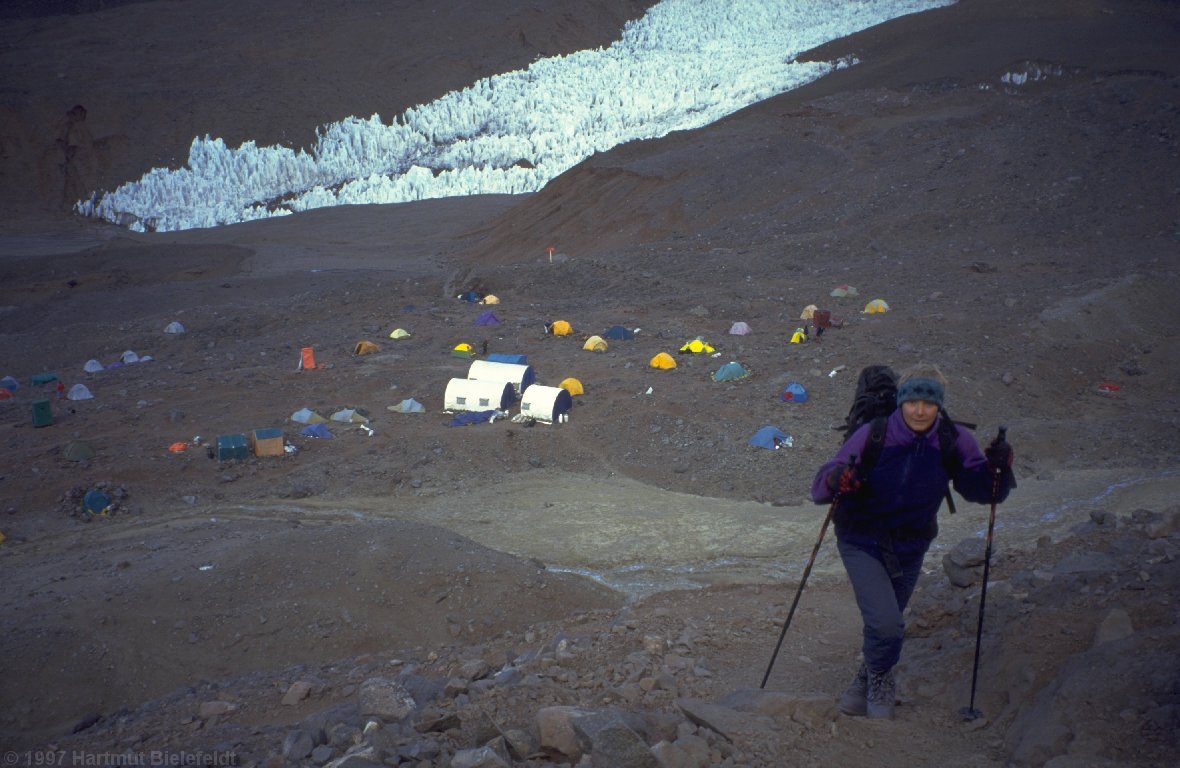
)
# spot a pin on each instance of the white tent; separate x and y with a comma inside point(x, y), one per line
point(474, 395)
point(739, 328)
point(545, 403)
point(519, 376)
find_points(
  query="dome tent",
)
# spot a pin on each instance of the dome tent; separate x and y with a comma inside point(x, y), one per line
point(561, 328)
point(876, 307)
point(771, 438)
point(663, 361)
point(399, 333)
point(595, 344)
point(731, 372)
point(545, 404)
point(487, 317)
point(364, 348)
point(573, 386)
point(697, 346)
point(463, 350)
point(618, 333)
point(739, 328)
point(794, 393)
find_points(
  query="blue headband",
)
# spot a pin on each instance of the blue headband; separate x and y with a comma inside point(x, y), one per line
point(920, 389)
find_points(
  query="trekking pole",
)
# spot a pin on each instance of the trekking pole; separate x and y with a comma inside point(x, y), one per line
point(799, 592)
point(969, 712)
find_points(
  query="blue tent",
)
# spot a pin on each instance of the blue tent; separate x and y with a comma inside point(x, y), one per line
point(487, 317)
point(500, 357)
point(317, 430)
point(731, 372)
point(618, 333)
point(470, 296)
point(770, 437)
point(794, 393)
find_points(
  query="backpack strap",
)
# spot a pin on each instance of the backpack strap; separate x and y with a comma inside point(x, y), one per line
point(948, 436)
point(872, 447)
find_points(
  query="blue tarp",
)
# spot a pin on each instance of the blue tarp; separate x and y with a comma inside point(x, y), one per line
point(471, 417)
point(618, 333)
point(770, 437)
point(795, 393)
point(500, 357)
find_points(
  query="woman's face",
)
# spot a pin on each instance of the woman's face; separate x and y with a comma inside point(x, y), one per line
point(919, 414)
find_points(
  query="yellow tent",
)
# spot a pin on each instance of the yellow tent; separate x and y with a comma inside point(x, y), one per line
point(364, 348)
point(489, 299)
point(561, 328)
point(399, 333)
point(808, 312)
point(573, 386)
point(663, 361)
point(876, 307)
point(696, 346)
point(798, 337)
point(595, 344)
point(463, 350)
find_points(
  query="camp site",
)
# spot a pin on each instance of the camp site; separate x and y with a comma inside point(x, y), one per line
point(446, 384)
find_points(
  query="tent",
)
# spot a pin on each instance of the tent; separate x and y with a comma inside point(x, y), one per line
point(799, 336)
point(490, 299)
point(573, 386)
point(739, 329)
point(561, 328)
point(93, 366)
point(618, 333)
point(770, 437)
point(840, 291)
point(364, 348)
point(317, 430)
point(545, 403)
point(79, 392)
point(663, 361)
point(409, 405)
point(595, 344)
point(500, 357)
point(696, 347)
point(475, 395)
point(399, 333)
point(808, 312)
point(350, 416)
point(470, 296)
point(876, 307)
point(463, 350)
point(487, 317)
point(794, 393)
point(519, 376)
point(731, 372)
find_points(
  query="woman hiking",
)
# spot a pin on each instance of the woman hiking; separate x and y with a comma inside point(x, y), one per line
point(886, 517)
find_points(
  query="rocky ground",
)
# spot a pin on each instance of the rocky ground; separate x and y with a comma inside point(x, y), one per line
point(609, 590)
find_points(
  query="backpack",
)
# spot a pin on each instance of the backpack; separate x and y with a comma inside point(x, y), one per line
point(875, 400)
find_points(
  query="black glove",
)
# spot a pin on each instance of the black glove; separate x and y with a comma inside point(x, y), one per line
point(843, 479)
point(999, 459)
point(999, 454)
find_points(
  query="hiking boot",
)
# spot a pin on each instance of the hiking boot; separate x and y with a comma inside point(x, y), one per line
point(854, 699)
point(882, 695)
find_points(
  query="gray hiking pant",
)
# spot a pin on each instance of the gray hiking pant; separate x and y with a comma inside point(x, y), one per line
point(882, 599)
